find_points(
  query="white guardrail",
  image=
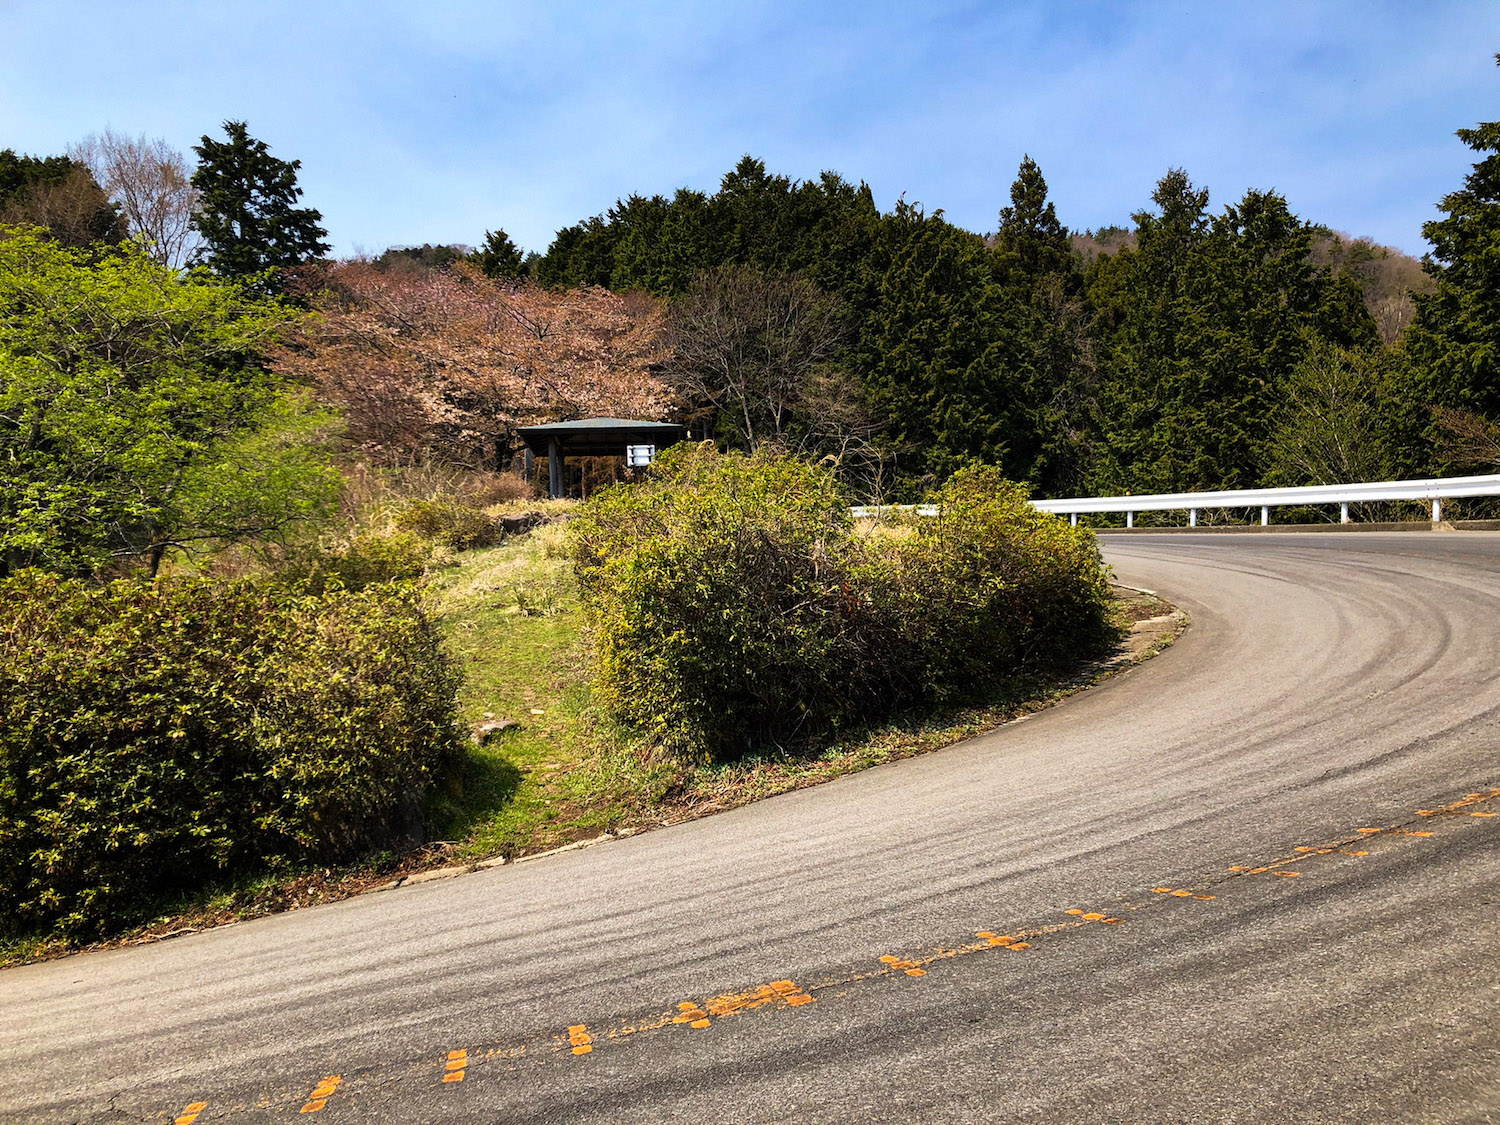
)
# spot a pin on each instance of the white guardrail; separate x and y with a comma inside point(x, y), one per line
point(1433, 491)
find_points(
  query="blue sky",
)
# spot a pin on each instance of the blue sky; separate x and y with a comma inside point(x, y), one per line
point(431, 122)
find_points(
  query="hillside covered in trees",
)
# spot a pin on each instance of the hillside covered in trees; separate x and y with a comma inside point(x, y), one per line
point(1200, 347)
point(1203, 345)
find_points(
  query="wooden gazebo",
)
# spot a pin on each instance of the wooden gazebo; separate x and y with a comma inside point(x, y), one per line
point(635, 441)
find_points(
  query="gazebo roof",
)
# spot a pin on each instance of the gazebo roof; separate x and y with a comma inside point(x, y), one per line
point(599, 437)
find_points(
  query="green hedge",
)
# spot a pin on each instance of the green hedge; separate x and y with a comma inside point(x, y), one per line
point(992, 586)
point(156, 736)
point(733, 606)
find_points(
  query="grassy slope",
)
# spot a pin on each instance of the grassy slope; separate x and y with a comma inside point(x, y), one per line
point(512, 617)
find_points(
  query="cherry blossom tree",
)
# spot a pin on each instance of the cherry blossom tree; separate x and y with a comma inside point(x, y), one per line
point(449, 363)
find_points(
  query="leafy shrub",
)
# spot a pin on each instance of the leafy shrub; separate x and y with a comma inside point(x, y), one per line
point(717, 594)
point(154, 736)
point(991, 586)
point(733, 606)
point(449, 522)
point(369, 558)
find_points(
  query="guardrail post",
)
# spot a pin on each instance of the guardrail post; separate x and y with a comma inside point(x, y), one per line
point(1437, 509)
point(1129, 519)
point(1075, 519)
point(1192, 517)
point(1265, 516)
point(1343, 513)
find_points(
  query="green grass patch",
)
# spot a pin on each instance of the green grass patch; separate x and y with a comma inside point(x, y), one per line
point(563, 771)
point(513, 618)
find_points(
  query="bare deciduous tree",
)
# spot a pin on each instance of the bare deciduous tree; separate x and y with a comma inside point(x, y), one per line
point(149, 181)
point(751, 345)
point(1330, 431)
point(763, 354)
point(1468, 440)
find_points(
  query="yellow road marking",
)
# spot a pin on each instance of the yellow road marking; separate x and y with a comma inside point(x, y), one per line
point(786, 993)
point(908, 967)
point(321, 1093)
point(793, 995)
point(692, 1015)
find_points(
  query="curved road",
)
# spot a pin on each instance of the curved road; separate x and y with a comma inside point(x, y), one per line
point(1253, 880)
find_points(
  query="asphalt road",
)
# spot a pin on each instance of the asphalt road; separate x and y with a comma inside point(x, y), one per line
point(1254, 880)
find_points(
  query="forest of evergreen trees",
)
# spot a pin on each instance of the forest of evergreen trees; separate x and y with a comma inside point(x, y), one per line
point(1200, 348)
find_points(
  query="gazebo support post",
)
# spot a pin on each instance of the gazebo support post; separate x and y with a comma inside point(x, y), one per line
point(554, 470)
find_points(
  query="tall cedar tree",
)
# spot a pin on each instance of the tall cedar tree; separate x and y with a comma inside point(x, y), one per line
point(499, 257)
point(1146, 296)
point(1044, 337)
point(928, 350)
point(819, 228)
point(251, 226)
point(1200, 324)
point(1454, 342)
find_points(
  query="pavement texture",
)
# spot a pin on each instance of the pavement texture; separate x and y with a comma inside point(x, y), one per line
point(1256, 879)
